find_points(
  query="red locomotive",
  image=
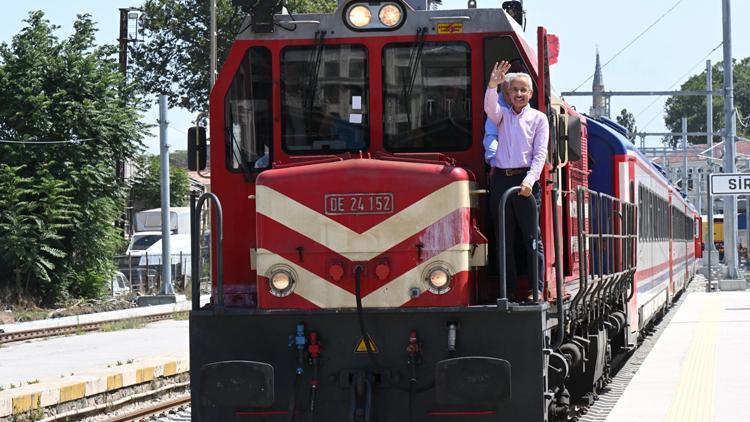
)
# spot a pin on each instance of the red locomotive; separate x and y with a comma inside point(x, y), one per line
point(355, 263)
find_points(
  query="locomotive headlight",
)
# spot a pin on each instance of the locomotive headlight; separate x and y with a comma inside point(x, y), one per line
point(438, 277)
point(281, 280)
point(390, 15)
point(359, 16)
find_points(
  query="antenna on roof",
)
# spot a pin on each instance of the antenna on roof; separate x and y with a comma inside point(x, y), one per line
point(261, 13)
point(515, 10)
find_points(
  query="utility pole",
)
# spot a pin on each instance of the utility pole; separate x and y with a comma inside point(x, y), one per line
point(730, 202)
point(166, 227)
point(685, 181)
point(710, 247)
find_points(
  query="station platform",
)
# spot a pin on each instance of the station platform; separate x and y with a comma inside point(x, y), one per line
point(698, 369)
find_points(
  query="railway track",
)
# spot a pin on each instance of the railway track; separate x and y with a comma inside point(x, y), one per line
point(63, 330)
point(168, 411)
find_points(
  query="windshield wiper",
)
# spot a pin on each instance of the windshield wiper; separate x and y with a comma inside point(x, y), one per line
point(311, 78)
point(415, 57)
point(240, 159)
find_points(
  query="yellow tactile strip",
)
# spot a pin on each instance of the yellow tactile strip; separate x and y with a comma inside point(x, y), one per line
point(55, 391)
point(694, 398)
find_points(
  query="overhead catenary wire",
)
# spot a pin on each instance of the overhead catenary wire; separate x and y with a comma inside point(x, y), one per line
point(702, 60)
point(632, 42)
point(38, 142)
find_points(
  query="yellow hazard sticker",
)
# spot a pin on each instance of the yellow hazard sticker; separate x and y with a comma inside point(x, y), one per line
point(450, 28)
point(362, 347)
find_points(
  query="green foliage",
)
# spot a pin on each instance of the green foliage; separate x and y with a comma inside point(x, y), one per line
point(627, 120)
point(694, 108)
point(174, 57)
point(60, 201)
point(147, 186)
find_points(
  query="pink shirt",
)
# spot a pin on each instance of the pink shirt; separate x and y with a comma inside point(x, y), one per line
point(522, 137)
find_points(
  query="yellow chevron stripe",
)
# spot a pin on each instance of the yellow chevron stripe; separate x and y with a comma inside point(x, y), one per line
point(378, 239)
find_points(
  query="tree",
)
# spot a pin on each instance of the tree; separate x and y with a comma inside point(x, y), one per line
point(174, 57)
point(627, 120)
point(62, 197)
point(147, 186)
point(694, 107)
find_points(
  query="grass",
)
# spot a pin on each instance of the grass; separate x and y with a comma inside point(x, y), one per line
point(181, 316)
point(125, 324)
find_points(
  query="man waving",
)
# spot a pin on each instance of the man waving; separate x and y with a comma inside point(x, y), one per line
point(519, 160)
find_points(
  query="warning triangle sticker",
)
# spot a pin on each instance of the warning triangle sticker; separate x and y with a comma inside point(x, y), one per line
point(362, 348)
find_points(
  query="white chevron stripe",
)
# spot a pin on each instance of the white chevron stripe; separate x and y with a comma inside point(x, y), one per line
point(395, 293)
point(378, 239)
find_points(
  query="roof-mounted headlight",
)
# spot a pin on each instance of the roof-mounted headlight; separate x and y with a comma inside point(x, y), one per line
point(359, 16)
point(390, 15)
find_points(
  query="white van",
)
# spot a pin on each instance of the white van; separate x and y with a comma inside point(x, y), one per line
point(150, 220)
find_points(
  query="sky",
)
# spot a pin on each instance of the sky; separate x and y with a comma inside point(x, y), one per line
point(661, 59)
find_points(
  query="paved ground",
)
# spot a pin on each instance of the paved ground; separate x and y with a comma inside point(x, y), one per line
point(59, 357)
point(698, 370)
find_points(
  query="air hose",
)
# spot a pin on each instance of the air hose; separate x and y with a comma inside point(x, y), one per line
point(370, 353)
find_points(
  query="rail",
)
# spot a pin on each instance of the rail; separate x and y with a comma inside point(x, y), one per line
point(196, 209)
point(62, 330)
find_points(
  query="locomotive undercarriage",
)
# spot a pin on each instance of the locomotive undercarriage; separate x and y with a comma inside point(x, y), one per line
point(451, 364)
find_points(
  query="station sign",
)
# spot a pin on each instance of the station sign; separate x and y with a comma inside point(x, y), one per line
point(730, 184)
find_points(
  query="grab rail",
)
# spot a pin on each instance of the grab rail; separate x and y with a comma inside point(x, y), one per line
point(195, 248)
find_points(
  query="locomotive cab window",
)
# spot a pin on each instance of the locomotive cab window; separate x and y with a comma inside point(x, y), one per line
point(427, 96)
point(248, 113)
point(324, 99)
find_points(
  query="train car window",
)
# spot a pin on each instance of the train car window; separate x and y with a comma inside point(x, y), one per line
point(427, 96)
point(248, 114)
point(324, 99)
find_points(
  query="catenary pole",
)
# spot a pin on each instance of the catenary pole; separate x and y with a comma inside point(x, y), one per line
point(685, 181)
point(710, 248)
point(166, 285)
point(730, 202)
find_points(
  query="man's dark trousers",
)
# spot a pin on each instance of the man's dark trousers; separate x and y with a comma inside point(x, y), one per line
point(518, 213)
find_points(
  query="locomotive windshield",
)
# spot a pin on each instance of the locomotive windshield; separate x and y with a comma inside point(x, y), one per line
point(324, 98)
point(427, 96)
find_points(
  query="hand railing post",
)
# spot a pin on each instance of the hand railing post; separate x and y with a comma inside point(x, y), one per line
point(195, 253)
point(219, 243)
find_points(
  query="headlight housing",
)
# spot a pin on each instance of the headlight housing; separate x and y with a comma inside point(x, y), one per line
point(360, 15)
point(281, 280)
point(438, 277)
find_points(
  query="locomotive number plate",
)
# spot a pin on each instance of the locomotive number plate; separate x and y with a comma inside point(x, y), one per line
point(359, 203)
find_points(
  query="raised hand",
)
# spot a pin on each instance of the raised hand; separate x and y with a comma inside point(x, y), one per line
point(498, 74)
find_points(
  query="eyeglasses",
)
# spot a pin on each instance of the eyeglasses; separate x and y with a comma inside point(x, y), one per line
point(519, 90)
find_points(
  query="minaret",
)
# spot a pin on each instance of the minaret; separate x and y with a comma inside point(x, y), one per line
point(598, 107)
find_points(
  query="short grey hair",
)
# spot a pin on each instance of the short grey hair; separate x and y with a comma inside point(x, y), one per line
point(510, 77)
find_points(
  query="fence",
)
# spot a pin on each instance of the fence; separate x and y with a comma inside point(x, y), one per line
point(143, 271)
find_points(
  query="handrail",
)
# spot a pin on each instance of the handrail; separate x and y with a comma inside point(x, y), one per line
point(195, 253)
point(558, 275)
point(534, 279)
